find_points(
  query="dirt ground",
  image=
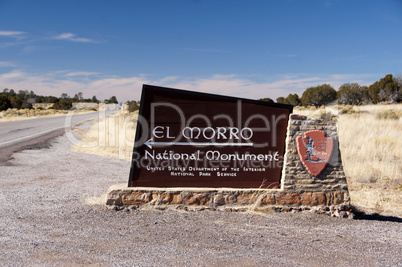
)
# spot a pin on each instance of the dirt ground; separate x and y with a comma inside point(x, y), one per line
point(50, 215)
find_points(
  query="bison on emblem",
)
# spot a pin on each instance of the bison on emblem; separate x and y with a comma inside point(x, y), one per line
point(315, 150)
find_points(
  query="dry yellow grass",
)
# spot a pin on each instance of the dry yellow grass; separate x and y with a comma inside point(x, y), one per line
point(14, 114)
point(24, 114)
point(112, 136)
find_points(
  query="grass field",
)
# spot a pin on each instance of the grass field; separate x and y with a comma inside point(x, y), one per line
point(370, 142)
point(111, 137)
point(23, 114)
point(14, 114)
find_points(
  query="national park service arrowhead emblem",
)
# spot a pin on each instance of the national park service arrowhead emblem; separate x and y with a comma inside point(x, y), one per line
point(315, 149)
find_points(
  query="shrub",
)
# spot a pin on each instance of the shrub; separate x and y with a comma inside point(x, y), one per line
point(347, 110)
point(63, 104)
point(319, 95)
point(4, 103)
point(267, 99)
point(387, 115)
point(326, 116)
point(133, 106)
point(351, 94)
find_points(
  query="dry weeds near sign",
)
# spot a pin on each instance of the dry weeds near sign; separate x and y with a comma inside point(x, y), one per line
point(190, 139)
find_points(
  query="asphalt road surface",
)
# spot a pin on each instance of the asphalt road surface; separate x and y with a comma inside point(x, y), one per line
point(16, 135)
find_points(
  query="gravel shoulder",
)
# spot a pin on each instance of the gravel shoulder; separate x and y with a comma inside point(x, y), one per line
point(51, 214)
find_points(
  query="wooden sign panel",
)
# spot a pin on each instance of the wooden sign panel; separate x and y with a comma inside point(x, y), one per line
point(190, 139)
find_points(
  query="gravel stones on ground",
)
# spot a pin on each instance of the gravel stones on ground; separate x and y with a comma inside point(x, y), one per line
point(52, 214)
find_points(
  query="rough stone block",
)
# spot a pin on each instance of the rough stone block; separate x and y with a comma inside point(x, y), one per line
point(135, 198)
point(307, 128)
point(223, 199)
point(197, 199)
point(313, 198)
point(289, 187)
point(113, 199)
point(168, 198)
point(305, 181)
point(297, 117)
point(288, 198)
point(338, 198)
point(294, 127)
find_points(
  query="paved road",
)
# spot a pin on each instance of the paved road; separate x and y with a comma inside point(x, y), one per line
point(16, 134)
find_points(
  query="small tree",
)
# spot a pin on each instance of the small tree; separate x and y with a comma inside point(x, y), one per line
point(386, 89)
point(75, 98)
point(293, 99)
point(267, 99)
point(64, 95)
point(319, 95)
point(12, 92)
point(63, 104)
point(133, 106)
point(112, 100)
point(281, 100)
point(351, 94)
point(16, 102)
point(4, 102)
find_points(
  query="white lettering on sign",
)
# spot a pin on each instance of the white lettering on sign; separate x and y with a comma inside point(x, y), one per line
point(216, 155)
point(161, 132)
point(231, 133)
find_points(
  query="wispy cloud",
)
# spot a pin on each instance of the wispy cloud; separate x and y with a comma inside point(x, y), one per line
point(129, 88)
point(282, 55)
point(15, 34)
point(68, 36)
point(81, 73)
point(7, 64)
point(201, 50)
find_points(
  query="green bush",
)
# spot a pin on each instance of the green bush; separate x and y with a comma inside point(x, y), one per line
point(4, 103)
point(267, 99)
point(63, 104)
point(319, 95)
point(133, 106)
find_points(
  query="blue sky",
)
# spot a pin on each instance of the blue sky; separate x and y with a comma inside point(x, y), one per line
point(251, 49)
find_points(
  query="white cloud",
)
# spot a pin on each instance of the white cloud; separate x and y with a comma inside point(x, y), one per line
point(201, 50)
point(7, 64)
point(16, 34)
point(129, 88)
point(81, 73)
point(73, 38)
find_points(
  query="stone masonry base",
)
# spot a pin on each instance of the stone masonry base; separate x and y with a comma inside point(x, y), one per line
point(226, 199)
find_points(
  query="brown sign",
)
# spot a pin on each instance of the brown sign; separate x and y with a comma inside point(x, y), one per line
point(190, 139)
point(315, 150)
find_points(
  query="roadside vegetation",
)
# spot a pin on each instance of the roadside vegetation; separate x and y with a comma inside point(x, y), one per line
point(112, 136)
point(26, 104)
point(386, 90)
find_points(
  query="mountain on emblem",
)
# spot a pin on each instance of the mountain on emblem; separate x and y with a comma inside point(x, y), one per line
point(315, 150)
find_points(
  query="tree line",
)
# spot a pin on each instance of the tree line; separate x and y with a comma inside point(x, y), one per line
point(387, 89)
point(25, 99)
